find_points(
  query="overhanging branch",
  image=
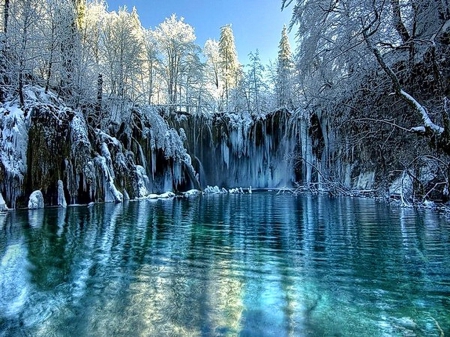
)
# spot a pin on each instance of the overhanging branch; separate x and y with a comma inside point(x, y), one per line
point(410, 100)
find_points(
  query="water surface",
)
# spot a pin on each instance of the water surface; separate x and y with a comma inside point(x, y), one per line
point(226, 265)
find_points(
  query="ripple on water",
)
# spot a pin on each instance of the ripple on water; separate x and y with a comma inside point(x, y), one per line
point(256, 265)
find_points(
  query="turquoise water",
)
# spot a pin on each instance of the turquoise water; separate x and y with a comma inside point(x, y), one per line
point(226, 265)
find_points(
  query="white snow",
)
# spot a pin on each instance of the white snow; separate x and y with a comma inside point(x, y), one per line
point(423, 112)
point(214, 190)
point(192, 193)
point(166, 195)
point(237, 190)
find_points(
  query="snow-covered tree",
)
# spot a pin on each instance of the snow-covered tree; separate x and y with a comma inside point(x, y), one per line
point(3, 51)
point(175, 40)
point(70, 18)
point(256, 84)
point(21, 41)
point(285, 72)
point(150, 65)
point(229, 64)
point(192, 90)
point(373, 78)
point(342, 42)
point(213, 68)
point(121, 46)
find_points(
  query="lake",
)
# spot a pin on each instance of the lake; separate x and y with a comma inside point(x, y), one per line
point(261, 264)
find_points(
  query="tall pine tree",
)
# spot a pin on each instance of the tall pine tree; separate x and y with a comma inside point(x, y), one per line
point(285, 72)
point(229, 64)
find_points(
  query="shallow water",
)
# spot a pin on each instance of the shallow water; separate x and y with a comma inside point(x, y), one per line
point(226, 265)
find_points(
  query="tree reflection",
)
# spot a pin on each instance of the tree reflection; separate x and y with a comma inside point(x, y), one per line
point(260, 264)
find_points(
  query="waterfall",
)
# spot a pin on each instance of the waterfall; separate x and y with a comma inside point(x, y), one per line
point(234, 150)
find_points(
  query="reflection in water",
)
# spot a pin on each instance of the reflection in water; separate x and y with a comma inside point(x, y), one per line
point(247, 265)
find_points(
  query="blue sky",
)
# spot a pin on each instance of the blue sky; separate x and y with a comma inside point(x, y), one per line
point(256, 24)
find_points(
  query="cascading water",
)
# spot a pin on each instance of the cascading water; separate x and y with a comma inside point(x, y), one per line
point(243, 150)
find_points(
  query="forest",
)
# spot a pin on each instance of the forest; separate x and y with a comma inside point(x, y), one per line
point(96, 107)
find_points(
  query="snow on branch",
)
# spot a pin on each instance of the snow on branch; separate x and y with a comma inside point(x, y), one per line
point(428, 123)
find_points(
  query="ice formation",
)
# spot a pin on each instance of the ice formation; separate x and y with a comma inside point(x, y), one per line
point(61, 198)
point(50, 147)
point(3, 206)
point(145, 152)
point(36, 200)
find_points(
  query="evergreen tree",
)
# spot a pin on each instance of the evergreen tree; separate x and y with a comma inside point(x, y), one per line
point(256, 84)
point(229, 64)
point(285, 71)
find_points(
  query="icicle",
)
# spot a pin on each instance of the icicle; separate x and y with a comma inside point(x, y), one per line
point(13, 151)
point(61, 198)
point(143, 183)
point(3, 206)
point(111, 193)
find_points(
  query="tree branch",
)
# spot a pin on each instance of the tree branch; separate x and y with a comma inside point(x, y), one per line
point(398, 22)
point(410, 100)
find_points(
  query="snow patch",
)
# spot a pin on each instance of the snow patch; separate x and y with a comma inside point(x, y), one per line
point(166, 195)
point(192, 193)
point(214, 190)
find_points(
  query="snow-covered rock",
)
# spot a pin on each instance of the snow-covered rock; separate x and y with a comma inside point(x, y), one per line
point(36, 200)
point(214, 190)
point(165, 195)
point(192, 193)
point(365, 181)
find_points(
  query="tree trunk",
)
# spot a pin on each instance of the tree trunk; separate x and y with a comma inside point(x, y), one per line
point(6, 16)
point(98, 106)
point(398, 22)
point(3, 78)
